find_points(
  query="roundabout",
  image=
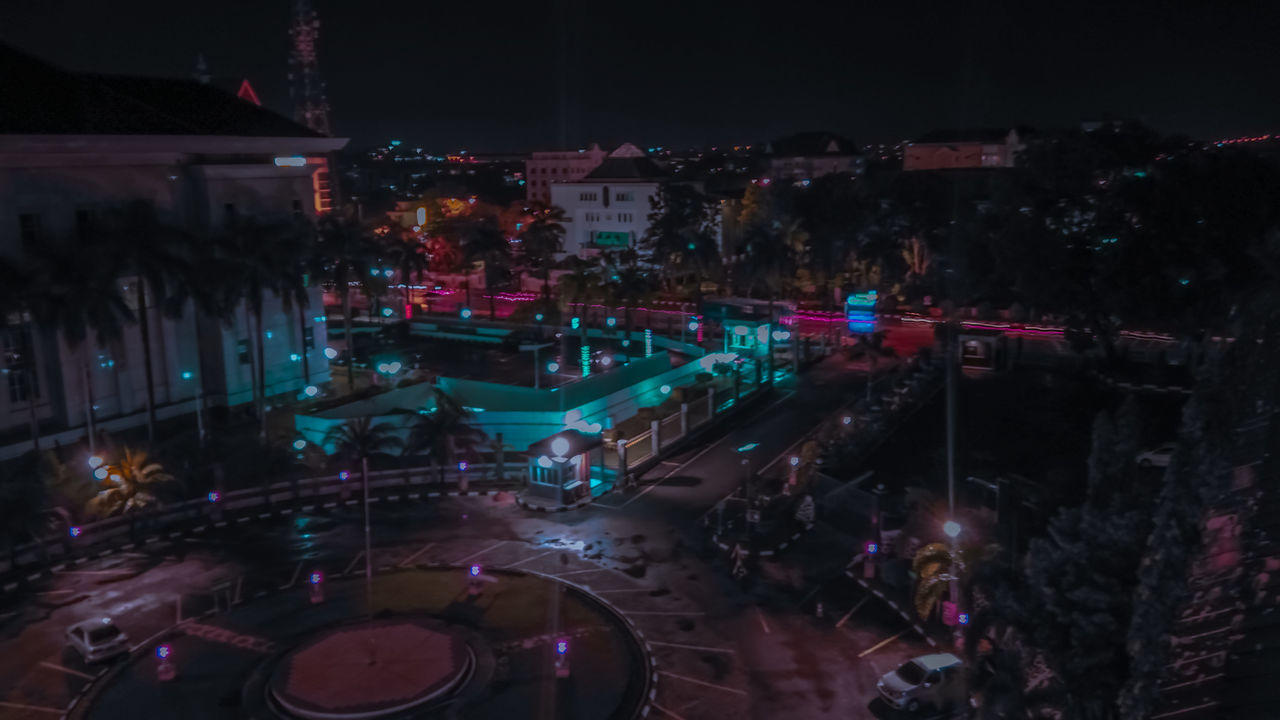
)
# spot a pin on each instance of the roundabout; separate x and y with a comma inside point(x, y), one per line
point(371, 670)
point(435, 645)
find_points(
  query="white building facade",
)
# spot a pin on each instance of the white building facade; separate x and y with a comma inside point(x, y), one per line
point(609, 208)
point(202, 158)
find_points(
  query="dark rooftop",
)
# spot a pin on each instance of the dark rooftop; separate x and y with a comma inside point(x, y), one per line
point(807, 144)
point(628, 168)
point(964, 135)
point(41, 99)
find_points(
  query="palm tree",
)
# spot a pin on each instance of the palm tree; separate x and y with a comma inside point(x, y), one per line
point(361, 439)
point(630, 286)
point(80, 294)
point(936, 566)
point(484, 241)
point(132, 484)
point(542, 239)
point(410, 257)
point(436, 427)
point(261, 259)
point(22, 509)
point(17, 292)
point(580, 285)
point(159, 257)
point(346, 253)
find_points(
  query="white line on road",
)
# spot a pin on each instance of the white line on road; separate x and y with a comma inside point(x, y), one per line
point(645, 589)
point(580, 572)
point(763, 624)
point(36, 708)
point(409, 560)
point(354, 560)
point(481, 552)
point(852, 610)
point(693, 647)
point(531, 559)
point(296, 572)
point(67, 670)
point(656, 612)
point(702, 682)
point(666, 711)
point(882, 643)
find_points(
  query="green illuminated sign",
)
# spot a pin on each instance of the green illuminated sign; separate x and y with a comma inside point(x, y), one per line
point(612, 239)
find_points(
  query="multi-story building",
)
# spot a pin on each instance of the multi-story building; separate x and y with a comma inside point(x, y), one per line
point(545, 169)
point(951, 149)
point(609, 207)
point(808, 155)
point(75, 147)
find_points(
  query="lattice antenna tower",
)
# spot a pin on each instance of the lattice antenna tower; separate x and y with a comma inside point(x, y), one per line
point(306, 89)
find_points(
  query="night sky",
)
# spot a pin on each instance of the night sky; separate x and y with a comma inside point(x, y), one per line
point(484, 76)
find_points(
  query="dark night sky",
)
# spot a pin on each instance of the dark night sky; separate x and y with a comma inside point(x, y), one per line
point(484, 75)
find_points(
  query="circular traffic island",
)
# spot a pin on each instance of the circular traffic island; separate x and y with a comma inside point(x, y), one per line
point(416, 644)
point(370, 670)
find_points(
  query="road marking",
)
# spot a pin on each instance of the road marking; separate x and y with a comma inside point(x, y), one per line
point(702, 682)
point(244, 519)
point(657, 612)
point(95, 572)
point(580, 572)
point(531, 559)
point(645, 589)
point(481, 552)
point(409, 560)
point(354, 560)
point(36, 708)
point(67, 670)
point(763, 624)
point(296, 572)
point(852, 610)
point(882, 643)
point(53, 592)
point(666, 711)
point(693, 647)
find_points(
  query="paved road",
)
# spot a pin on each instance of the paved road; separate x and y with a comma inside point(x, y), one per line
point(721, 651)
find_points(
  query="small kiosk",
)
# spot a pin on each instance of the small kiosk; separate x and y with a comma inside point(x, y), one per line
point(565, 469)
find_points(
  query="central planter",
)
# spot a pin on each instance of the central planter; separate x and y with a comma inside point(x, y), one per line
point(370, 670)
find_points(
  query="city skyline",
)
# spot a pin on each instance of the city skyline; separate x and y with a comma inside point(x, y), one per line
point(487, 78)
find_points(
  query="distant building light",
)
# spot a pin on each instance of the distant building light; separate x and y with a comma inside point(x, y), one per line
point(311, 391)
point(299, 444)
point(330, 353)
point(292, 161)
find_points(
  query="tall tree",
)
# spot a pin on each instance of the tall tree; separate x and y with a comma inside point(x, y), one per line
point(80, 295)
point(435, 428)
point(541, 239)
point(347, 254)
point(160, 258)
point(261, 259)
point(682, 238)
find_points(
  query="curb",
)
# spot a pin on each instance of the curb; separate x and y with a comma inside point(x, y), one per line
point(13, 586)
point(715, 539)
point(648, 695)
point(553, 508)
point(904, 614)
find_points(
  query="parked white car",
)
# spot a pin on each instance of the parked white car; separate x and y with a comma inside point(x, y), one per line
point(97, 639)
point(1156, 457)
point(935, 681)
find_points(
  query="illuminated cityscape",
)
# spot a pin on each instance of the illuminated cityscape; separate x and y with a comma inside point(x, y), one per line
point(573, 361)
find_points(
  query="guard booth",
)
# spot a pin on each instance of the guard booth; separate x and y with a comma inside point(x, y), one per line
point(567, 468)
point(983, 349)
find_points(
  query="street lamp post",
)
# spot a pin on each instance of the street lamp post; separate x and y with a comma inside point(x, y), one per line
point(952, 529)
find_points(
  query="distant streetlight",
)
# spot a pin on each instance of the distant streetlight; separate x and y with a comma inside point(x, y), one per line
point(951, 528)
